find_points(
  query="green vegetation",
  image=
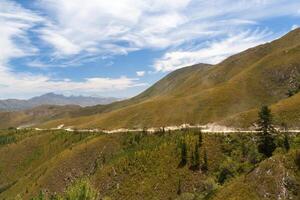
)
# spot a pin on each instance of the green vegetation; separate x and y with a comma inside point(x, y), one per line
point(64, 165)
point(265, 126)
point(80, 190)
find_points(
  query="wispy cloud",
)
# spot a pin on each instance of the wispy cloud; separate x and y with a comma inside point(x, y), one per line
point(71, 33)
point(295, 26)
point(26, 85)
point(140, 73)
point(16, 21)
point(213, 52)
point(109, 27)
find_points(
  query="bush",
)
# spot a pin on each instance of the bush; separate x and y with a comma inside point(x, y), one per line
point(297, 159)
point(227, 170)
point(81, 190)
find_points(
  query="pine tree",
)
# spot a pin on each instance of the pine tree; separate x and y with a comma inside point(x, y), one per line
point(200, 137)
point(266, 129)
point(179, 187)
point(205, 164)
point(183, 148)
point(196, 157)
point(286, 143)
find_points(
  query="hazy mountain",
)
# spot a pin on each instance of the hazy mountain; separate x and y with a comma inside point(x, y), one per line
point(53, 99)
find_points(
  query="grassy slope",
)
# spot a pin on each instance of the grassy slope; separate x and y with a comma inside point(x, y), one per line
point(34, 116)
point(269, 181)
point(203, 94)
point(286, 111)
point(137, 166)
point(49, 160)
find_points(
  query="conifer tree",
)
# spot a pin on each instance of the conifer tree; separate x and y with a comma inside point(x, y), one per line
point(179, 187)
point(205, 164)
point(196, 157)
point(183, 148)
point(200, 138)
point(286, 142)
point(265, 127)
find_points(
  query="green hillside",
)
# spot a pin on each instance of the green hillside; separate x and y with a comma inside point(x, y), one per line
point(286, 113)
point(142, 166)
point(204, 94)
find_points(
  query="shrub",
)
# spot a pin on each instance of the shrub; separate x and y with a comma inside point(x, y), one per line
point(81, 190)
point(297, 159)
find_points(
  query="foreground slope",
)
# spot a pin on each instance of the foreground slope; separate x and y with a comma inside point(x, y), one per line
point(141, 166)
point(204, 93)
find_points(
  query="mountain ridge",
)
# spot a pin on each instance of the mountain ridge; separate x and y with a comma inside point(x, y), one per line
point(53, 99)
point(203, 94)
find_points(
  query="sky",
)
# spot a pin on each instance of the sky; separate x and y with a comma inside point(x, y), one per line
point(118, 48)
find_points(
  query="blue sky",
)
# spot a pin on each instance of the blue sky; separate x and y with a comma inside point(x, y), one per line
point(119, 48)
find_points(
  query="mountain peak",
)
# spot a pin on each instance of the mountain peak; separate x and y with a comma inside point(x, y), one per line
point(52, 98)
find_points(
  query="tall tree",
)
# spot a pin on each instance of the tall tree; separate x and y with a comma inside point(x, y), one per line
point(195, 158)
point(179, 187)
point(200, 137)
point(286, 142)
point(183, 147)
point(205, 164)
point(267, 131)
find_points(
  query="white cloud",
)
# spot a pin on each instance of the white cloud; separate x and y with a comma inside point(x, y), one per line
point(27, 85)
point(118, 27)
point(61, 43)
point(212, 53)
point(77, 31)
point(295, 26)
point(140, 73)
point(15, 22)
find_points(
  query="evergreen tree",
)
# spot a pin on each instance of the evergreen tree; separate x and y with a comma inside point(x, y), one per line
point(200, 137)
point(196, 157)
point(286, 143)
point(205, 164)
point(179, 188)
point(297, 159)
point(183, 148)
point(192, 159)
point(265, 127)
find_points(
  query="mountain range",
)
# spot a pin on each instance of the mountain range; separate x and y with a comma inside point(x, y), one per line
point(53, 99)
point(229, 93)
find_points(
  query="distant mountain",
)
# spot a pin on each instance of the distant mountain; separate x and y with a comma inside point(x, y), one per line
point(53, 99)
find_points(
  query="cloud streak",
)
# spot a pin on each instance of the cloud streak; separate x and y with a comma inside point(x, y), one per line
point(71, 33)
point(213, 52)
point(14, 43)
